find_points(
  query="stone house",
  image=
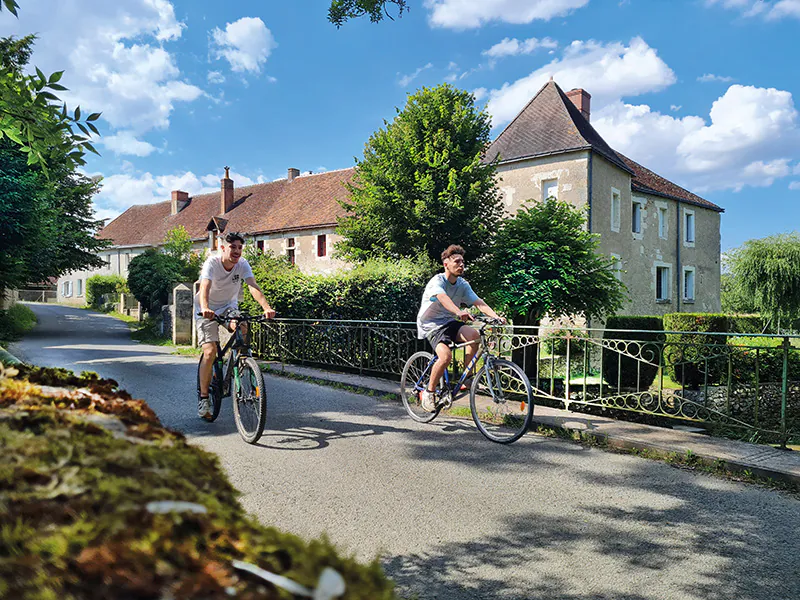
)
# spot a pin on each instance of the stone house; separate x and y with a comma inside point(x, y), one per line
point(665, 239)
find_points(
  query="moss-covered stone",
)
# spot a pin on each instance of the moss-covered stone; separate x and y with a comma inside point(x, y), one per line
point(81, 463)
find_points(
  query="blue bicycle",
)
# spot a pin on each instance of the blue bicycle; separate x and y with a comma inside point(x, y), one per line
point(500, 396)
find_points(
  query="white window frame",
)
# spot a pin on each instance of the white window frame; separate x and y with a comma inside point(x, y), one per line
point(640, 203)
point(66, 289)
point(79, 288)
point(293, 248)
point(689, 216)
point(666, 297)
point(616, 209)
point(693, 272)
point(545, 185)
point(617, 267)
point(663, 222)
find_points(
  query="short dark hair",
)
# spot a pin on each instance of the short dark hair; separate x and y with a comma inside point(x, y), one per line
point(450, 250)
point(232, 236)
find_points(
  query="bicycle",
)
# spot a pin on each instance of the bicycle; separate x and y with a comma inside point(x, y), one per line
point(500, 396)
point(249, 395)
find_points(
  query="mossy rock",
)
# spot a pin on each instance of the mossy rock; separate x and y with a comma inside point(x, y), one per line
point(82, 464)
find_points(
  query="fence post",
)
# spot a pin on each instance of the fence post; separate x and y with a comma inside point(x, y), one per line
point(784, 390)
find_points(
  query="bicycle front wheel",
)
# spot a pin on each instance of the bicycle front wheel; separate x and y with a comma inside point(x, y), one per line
point(214, 390)
point(414, 380)
point(501, 401)
point(249, 401)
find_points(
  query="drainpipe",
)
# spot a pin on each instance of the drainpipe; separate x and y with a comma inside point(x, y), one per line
point(678, 253)
point(589, 216)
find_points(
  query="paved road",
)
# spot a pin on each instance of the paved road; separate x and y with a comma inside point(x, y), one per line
point(452, 515)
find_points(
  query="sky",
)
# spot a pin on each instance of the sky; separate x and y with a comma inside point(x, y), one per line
point(700, 91)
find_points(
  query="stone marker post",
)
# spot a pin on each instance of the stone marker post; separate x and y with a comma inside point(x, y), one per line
point(182, 314)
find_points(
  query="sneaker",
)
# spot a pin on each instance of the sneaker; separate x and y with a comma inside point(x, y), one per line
point(428, 401)
point(204, 408)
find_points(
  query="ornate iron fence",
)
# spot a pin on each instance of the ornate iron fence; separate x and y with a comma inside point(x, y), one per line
point(745, 386)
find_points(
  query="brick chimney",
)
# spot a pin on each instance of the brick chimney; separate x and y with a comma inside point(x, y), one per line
point(226, 197)
point(293, 174)
point(581, 98)
point(179, 201)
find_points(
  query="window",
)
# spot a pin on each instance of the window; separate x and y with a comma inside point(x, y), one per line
point(616, 267)
point(615, 208)
point(290, 249)
point(688, 226)
point(66, 289)
point(636, 216)
point(260, 245)
point(662, 284)
point(688, 284)
point(80, 287)
point(550, 189)
point(322, 245)
point(662, 222)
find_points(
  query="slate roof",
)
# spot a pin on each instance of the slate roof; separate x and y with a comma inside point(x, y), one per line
point(306, 202)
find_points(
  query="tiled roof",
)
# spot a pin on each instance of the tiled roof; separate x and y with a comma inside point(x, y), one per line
point(304, 203)
point(549, 124)
point(644, 180)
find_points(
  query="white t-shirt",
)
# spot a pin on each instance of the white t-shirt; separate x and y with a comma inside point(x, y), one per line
point(225, 285)
point(432, 314)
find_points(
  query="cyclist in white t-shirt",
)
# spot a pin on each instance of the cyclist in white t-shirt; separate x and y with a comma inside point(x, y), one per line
point(221, 279)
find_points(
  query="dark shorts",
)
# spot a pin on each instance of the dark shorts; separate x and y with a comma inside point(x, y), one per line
point(447, 333)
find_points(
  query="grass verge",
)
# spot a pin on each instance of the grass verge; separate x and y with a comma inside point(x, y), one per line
point(147, 332)
point(15, 322)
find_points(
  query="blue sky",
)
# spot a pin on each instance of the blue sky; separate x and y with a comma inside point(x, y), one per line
point(701, 91)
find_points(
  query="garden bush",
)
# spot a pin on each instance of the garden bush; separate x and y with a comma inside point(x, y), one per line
point(16, 322)
point(153, 275)
point(555, 342)
point(99, 285)
point(642, 339)
point(748, 324)
point(693, 359)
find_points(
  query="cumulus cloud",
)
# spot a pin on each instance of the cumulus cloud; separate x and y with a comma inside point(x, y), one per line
point(794, 185)
point(514, 47)
point(608, 71)
point(245, 44)
point(126, 143)
point(771, 10)
point(675, 107)
point(215, 77)
point(467, 14)
point(116, 56)
point(748, 140)
point(405, 80)
point(708, 77)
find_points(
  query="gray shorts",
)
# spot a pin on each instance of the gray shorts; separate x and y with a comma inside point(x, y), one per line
point(208, 330)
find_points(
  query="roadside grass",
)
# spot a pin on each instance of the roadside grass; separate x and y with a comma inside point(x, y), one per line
point(15, 322)
point(147, 332)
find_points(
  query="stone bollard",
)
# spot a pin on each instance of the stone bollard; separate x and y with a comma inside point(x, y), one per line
point(182, 314)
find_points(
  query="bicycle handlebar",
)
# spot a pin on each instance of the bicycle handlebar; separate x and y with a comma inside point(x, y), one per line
point(241, 318)
point(488, 320)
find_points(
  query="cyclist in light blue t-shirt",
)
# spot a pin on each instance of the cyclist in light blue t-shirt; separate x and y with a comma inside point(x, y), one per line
point(442, 321)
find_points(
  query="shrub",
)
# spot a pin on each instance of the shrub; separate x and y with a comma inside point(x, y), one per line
point(555, 342)
point(747, 324)
point(98, 285)
point(641, 339)
point(16, 322)
point(152, 277)
point(694, 358)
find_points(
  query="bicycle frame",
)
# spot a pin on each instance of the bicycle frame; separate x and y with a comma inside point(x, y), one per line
point(237, 346)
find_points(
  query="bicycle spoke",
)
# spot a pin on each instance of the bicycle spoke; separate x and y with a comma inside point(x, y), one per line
point(414, 380)
point(500, 401)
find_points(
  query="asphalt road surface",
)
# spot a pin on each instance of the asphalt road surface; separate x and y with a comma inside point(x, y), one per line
point(452, 515)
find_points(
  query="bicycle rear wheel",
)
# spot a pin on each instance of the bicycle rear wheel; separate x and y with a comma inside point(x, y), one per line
point(249, 401)
point(501, 401)
point(214, 390)
point(416, 374)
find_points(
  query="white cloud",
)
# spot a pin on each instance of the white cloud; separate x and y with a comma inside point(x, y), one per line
point(480, 93)
point(771, 10)
point(116, 56)
point(794, 185)
point(608, 72)
point(514, 47)
point(751, 135)
point(708, 77)
point(465, 14)
point(245, 44)
point(405, 80)
point(675, 107)
point(126, 143)
point(215, 77)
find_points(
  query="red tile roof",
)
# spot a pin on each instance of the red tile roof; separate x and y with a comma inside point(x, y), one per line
point(306, 202)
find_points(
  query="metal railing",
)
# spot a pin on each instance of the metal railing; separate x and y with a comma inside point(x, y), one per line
point(745, 386)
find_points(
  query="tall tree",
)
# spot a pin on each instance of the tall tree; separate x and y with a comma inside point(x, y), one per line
point(422, 184)
point(342, 11)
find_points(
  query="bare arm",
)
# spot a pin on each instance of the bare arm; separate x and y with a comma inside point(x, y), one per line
point(449, 305)
point(258, 296)
point(487, 310)
point(205, 288)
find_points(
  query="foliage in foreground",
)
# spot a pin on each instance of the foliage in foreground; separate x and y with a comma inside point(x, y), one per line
point(80, 467)
point(342, 11)
point(16, 322)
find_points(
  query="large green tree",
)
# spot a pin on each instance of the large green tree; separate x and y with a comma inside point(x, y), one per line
point(342, 11)
point(767, 271)
point(422, 184)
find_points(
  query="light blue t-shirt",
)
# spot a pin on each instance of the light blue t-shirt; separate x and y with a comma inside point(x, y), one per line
point(431, 313)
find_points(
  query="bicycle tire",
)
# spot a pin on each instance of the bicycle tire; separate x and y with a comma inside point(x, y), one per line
point(249, 400)
point(502, 413)
point(415, 367)
point(214, 389)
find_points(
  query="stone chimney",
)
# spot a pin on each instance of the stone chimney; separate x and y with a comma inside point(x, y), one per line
point(179, 201)
point(581, 98)
point(293, 174)
point(226, 197)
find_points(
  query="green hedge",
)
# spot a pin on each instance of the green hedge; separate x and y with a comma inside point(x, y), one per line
point(625, 370)
point(694, 358)
point(16, 322)
point(747, 324)
point(98, 285)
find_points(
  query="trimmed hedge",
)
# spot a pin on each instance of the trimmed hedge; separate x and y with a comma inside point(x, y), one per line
point(747, 324)
point(689, 357)
point(627, 371)
point(98, 285)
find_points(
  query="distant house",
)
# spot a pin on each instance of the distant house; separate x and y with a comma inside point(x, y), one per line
point(665, 239)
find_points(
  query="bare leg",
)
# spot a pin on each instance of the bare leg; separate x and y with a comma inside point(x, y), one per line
point(445, 356)
point(206, 365)
point(468, 334)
